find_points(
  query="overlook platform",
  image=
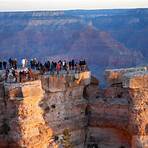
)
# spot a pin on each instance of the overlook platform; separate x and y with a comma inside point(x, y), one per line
point(50, 83)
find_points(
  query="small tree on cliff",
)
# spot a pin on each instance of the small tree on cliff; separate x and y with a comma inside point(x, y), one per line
point(66, 139)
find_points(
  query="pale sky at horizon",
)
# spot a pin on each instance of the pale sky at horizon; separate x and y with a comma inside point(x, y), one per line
point(29, 5)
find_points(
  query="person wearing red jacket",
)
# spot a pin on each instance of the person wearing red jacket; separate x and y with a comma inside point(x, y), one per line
point(58, 67)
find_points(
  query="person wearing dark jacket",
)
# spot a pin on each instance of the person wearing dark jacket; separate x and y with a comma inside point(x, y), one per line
point(48, 65)
point(1, 63)
point(15, 63)
point(6, 76)
point(73, 64)
point(31, 64)
point(10, 62)
point(70, 65)
point(4, 64)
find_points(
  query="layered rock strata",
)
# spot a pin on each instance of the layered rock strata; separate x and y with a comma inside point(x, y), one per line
point(23, 124)
point(64, 105)
point(35, 114)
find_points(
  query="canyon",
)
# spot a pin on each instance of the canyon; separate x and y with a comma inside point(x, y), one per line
point(36, 114)
point(105, 38)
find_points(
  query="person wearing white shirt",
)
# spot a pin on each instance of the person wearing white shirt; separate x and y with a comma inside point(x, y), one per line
point(23, 63)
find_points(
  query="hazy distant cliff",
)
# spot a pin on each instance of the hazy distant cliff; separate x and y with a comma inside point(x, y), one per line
point(106, 38)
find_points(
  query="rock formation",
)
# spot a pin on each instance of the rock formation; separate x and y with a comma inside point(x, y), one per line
point(22, 123)
point(37, 113)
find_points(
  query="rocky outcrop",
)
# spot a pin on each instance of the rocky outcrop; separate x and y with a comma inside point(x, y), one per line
point(64, 105)
point(36, 114)
point(138, 111)
point(108, 117)
point(23, 124)
point(118, 113)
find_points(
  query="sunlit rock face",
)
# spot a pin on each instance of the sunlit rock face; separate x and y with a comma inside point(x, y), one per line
point(34, 113)
point(23, 124)
point(64, 105)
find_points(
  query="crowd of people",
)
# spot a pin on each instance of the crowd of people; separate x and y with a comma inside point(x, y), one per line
point(25, 71)
point(3, 65)
point(12, 64)
point(58, 66)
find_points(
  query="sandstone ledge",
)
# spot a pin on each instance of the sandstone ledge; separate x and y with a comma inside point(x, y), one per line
point(128, 78)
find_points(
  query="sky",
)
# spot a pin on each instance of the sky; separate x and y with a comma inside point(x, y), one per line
point(18, 5)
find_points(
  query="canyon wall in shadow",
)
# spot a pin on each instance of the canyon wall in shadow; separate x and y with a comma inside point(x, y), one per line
point(106, 38)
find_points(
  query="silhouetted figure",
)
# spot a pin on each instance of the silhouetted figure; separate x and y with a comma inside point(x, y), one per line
point(52, 66)
point(33, 63)
point(55, 65)
point(60, 62)
point(14, 63)
point(20, 76)
point(48, 65)
point(14, 74)
point(10, 62)
point(42, 70)
point(4, 65)
point(80, 65)
point(1, 65)
point(38, 66)
point(6, 75)
point(64, 65)
point(72, 64)
point(84, 65)
point(30, 74)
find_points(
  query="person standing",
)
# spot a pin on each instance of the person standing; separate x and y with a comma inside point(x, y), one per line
point(15, 63)
point(1, 65)
point(20, 76)
point(4, 65)
point(6, 75)
point(35, 63)
point(10, 62)
point(64, 65)
point(31, 64)
point(26, 62)
point(14, 74)
point(23, 63)
point(70, 65)
point(58, 67)
point(73, 64)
